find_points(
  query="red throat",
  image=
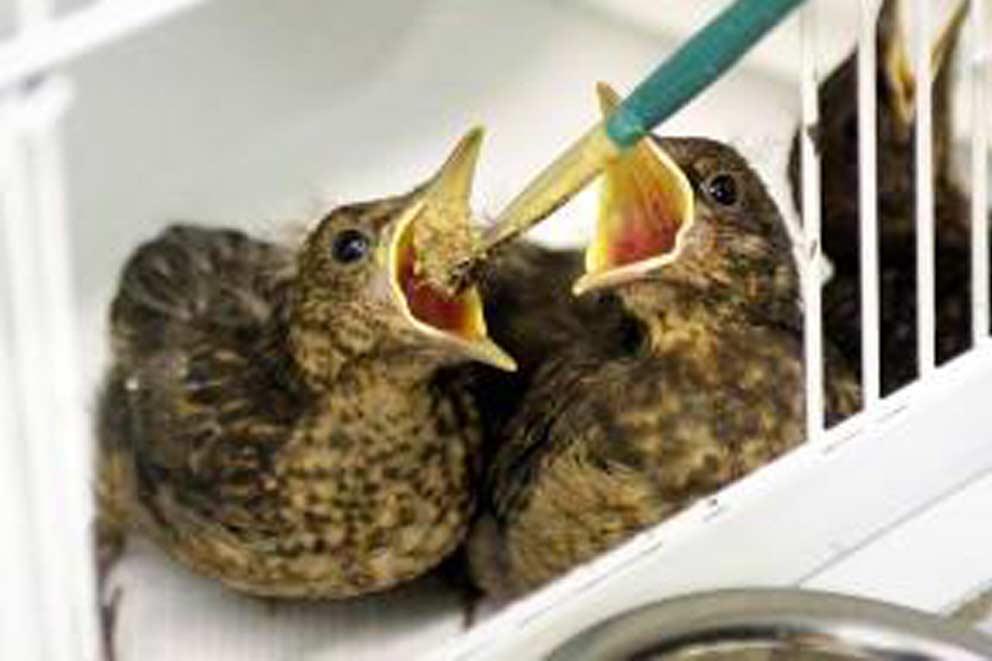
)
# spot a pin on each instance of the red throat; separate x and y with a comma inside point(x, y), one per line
point(647, 231)
point(428, 304)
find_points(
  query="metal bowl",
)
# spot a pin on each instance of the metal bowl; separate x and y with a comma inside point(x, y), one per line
point(775, 624)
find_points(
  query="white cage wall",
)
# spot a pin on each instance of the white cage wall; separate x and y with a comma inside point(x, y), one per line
point(817, 528)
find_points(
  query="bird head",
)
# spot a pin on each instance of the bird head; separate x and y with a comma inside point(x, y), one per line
point(896, 94)
point(364, 284)
point(691, 213)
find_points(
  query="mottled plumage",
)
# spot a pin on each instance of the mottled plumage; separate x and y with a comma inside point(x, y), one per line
point(289, 420)
point(837, 139)
point(533, 316)
point(708, 386)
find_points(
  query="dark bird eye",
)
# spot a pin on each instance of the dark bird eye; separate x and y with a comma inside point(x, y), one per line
point(350, 246)
point(722, 189)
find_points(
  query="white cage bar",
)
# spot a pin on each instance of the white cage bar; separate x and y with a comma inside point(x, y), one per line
point(812, 254)
point(70, 438)
point(980, 80)
point(926, 329)
point(867, 196)
point(21, 627)
point(49, 411)
point(51, 614)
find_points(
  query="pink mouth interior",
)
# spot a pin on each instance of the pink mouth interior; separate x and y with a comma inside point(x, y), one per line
point(648, 229)
point(430, 305)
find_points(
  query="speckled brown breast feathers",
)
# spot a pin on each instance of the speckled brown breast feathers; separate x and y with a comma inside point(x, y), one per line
point(281, 419)
point(609, 441)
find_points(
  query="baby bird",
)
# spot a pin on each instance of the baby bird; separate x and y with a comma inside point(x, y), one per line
point(288, 421)
point(838, 145)
point(611, 440)
point(531, 313)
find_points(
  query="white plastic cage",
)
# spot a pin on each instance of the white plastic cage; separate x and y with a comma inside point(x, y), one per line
point(893, 503)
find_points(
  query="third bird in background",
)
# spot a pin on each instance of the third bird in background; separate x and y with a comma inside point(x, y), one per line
point(837, 137)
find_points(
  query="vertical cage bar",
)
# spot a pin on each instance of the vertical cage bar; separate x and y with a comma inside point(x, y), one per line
point(812, 253)
point(37, 383)
point(75, 461)
point(867, 193)
point(924, 192)
point(30, 364)
point(43, 376)
point(23, 608)
point(979, 177)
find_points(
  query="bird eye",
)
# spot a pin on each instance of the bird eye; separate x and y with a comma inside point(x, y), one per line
point(722, 189)
point(350, 246)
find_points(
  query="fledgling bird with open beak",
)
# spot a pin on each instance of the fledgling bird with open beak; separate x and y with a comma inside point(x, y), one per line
point(609, 442)
point(283, 419)
point(837, 141)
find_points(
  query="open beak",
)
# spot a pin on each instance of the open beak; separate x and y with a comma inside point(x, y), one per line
point(646, 206)
point(947, 39)
point(431, 236)
point(895, 60)
point(897, 69)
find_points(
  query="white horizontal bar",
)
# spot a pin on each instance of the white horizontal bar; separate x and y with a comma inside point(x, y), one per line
point(925, 322)
point(979, 181)
point(53, 42)
point(867, 196)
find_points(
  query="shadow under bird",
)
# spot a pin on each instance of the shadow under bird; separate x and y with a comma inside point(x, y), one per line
point(612, 439)
point(291, 421)
point(837, 141)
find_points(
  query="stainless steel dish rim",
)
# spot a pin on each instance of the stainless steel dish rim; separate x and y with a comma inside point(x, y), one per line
point(827, 621)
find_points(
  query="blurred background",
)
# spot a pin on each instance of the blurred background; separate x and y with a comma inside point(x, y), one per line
point(264, 114)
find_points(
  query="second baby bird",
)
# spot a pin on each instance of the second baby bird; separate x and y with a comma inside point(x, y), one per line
point(609, 441)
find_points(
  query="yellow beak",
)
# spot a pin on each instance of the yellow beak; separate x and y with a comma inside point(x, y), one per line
point(897, 69)
point(431, 237)
point(646, 204)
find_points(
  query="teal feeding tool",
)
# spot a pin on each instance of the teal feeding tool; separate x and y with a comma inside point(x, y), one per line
point(697, 64)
